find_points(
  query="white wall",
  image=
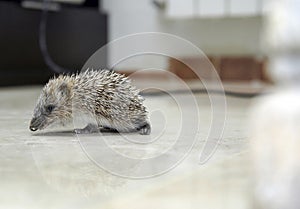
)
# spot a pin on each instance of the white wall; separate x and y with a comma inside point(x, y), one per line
point(228, 36)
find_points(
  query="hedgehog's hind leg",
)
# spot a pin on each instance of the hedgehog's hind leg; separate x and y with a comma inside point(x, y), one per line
point(145, 129)
point(90, 128)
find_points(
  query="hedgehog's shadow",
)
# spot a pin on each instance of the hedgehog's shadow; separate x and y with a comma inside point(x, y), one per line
point(71, 133)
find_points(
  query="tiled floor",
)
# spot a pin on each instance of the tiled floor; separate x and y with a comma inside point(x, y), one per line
point(57, 169)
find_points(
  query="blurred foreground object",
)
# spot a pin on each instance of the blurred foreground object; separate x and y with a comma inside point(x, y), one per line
point(275, 148)
point(276, 119)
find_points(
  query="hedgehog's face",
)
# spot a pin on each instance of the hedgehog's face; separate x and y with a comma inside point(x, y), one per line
point(54, 105)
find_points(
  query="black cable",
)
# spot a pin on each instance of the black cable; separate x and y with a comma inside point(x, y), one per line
point(43, 41)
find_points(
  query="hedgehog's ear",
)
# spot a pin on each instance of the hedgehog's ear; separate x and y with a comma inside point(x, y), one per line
point(64, 89)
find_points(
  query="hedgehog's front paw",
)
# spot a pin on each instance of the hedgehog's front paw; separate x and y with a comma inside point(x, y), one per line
point(90, 128)
point(145, 129)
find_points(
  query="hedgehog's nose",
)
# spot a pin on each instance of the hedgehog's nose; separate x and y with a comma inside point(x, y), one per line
point(33, 128)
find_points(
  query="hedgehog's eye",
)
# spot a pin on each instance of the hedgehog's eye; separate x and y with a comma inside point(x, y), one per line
point(50, 108)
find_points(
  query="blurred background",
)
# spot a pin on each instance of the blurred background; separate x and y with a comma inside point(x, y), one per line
point(228, 32)
point(254, 48)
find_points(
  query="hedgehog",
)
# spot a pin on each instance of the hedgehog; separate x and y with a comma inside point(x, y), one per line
point(107, 96)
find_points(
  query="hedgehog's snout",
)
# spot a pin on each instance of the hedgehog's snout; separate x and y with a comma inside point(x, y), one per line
point(35, 123)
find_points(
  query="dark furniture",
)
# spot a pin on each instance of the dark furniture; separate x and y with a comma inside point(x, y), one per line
point(73, 35)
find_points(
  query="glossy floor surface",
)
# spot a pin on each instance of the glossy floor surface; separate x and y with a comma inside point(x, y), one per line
point(56, 168)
